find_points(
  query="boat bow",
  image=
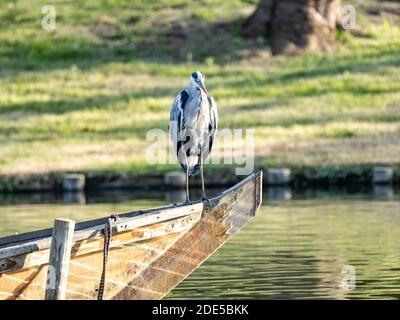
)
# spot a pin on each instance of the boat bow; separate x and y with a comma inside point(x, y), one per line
point(151, 251)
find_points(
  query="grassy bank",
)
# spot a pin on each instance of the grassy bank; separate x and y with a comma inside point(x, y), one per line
point(82, 97)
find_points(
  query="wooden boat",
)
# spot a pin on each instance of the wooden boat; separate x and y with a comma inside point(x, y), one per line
point(150, 252)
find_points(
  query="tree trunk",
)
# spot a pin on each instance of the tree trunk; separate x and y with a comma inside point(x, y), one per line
point(294, 25)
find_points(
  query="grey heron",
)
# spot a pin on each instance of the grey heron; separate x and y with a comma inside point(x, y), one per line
point(193, 126)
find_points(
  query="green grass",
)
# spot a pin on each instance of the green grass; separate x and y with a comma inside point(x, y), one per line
point(82, 97)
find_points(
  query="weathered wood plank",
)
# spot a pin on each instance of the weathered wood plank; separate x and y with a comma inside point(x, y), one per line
point(45, 233)
point(60, 253)
point(94, 244)
point(124, 224)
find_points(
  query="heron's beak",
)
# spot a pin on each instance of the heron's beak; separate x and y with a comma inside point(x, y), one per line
point(203, 87)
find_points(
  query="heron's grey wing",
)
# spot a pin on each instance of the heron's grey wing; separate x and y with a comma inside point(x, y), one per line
point(177, 117)
point(213, 121)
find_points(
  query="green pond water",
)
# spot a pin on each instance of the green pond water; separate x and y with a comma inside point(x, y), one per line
point(309, 245)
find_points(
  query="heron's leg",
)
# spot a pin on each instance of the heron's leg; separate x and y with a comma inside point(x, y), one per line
point(187, 181)
point(203, 189)
point(187, 186)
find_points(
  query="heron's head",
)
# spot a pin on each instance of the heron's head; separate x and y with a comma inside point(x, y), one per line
point(197, 81)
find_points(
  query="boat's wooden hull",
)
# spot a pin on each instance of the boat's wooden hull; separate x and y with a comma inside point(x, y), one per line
point(145, 262)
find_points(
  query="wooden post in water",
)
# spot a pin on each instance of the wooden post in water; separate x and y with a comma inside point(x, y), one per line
point(60, 252)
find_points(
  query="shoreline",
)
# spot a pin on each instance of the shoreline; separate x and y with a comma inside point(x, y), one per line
point(305, 177)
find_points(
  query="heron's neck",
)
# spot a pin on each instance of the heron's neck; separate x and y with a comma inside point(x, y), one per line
point(194, 91)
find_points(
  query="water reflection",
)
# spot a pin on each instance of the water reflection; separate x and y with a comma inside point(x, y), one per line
point(74, 197)
point(175, 196)
point(383, 192)
point(279, 193)
point(297, 246)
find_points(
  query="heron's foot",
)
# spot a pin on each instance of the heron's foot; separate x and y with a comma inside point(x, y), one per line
point(187, 202)
point(206, 200)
